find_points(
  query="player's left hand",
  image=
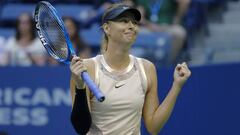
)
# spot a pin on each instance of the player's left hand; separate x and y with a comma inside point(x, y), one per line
point(181, 74)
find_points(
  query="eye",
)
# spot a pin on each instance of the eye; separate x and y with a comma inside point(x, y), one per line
point(135, 22)
point(124, 20)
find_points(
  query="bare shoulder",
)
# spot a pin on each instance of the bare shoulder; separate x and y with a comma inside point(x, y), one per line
point(89, 62)
point(90, 65)
point(148, 65)
point(150, 71)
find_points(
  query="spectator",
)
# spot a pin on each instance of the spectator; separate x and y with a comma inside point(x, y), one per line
point(25, 49)
point(166, 16)
point(81, 48)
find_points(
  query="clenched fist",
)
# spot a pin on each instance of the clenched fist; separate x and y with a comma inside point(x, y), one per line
point(181, 74)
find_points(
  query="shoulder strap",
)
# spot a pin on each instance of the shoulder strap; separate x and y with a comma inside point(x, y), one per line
point(96, 59)
point(96, 74)
point(142, 73)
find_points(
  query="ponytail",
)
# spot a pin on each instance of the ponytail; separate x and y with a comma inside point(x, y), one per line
point(104, 44)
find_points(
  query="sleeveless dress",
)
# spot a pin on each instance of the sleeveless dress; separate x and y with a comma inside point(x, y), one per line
point(121, 112)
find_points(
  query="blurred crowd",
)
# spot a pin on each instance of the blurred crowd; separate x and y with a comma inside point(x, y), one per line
point(165, 16)
point(25, 49)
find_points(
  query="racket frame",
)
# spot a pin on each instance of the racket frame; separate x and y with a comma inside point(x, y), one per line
point(71, 53)
point(70, 48)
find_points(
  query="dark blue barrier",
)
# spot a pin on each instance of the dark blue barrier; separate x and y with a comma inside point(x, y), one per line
point(36, 101)
point(208, 104)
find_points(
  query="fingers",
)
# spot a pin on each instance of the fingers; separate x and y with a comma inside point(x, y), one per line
point(75, 59)
point(77, 66)
point(178, 67)
point(184, 65)
point(182, 69)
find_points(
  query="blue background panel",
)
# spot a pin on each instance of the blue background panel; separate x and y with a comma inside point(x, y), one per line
point(207, 105)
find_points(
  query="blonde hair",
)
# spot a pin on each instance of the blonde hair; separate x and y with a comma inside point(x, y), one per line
point(104, 43)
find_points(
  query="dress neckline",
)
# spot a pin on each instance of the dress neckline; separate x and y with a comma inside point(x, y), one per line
point(124, 71)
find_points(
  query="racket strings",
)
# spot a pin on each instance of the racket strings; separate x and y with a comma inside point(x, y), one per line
point(53, 31)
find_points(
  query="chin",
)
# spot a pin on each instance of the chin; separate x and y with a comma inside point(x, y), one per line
point(130, 39)
point(129, 42)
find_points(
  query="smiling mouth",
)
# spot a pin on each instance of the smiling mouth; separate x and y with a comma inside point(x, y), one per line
point(130, 34)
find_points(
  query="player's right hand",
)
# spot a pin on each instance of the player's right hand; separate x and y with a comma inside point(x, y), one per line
point(77, 67)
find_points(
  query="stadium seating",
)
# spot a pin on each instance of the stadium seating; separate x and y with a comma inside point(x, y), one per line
point(78, 12)
point(7, 32)
point(12, 11)
point(196, 18)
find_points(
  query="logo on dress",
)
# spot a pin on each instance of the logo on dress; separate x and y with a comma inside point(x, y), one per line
point(119, 84)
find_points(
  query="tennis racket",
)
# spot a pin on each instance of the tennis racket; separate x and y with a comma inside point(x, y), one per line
point(56, 41)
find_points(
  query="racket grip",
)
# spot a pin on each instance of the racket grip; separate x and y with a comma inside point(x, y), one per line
point(93, 87)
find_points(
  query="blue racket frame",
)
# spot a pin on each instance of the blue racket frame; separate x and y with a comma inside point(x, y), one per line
point(61, 23)
point(71, 53)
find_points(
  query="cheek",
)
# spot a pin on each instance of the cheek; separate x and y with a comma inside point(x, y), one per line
point(137, 29)
point(116, 30)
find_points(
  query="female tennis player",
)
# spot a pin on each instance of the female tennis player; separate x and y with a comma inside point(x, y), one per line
point(128, 83)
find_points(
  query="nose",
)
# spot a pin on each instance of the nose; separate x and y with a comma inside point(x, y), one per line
point(131, 25)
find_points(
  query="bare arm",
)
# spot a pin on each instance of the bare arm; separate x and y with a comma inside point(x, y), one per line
point(182, 7)
point(155, 115)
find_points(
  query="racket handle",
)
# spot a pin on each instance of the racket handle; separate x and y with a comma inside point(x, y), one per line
point(93, 87)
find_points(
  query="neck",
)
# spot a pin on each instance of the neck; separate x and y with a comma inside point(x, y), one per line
point(117, 56)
